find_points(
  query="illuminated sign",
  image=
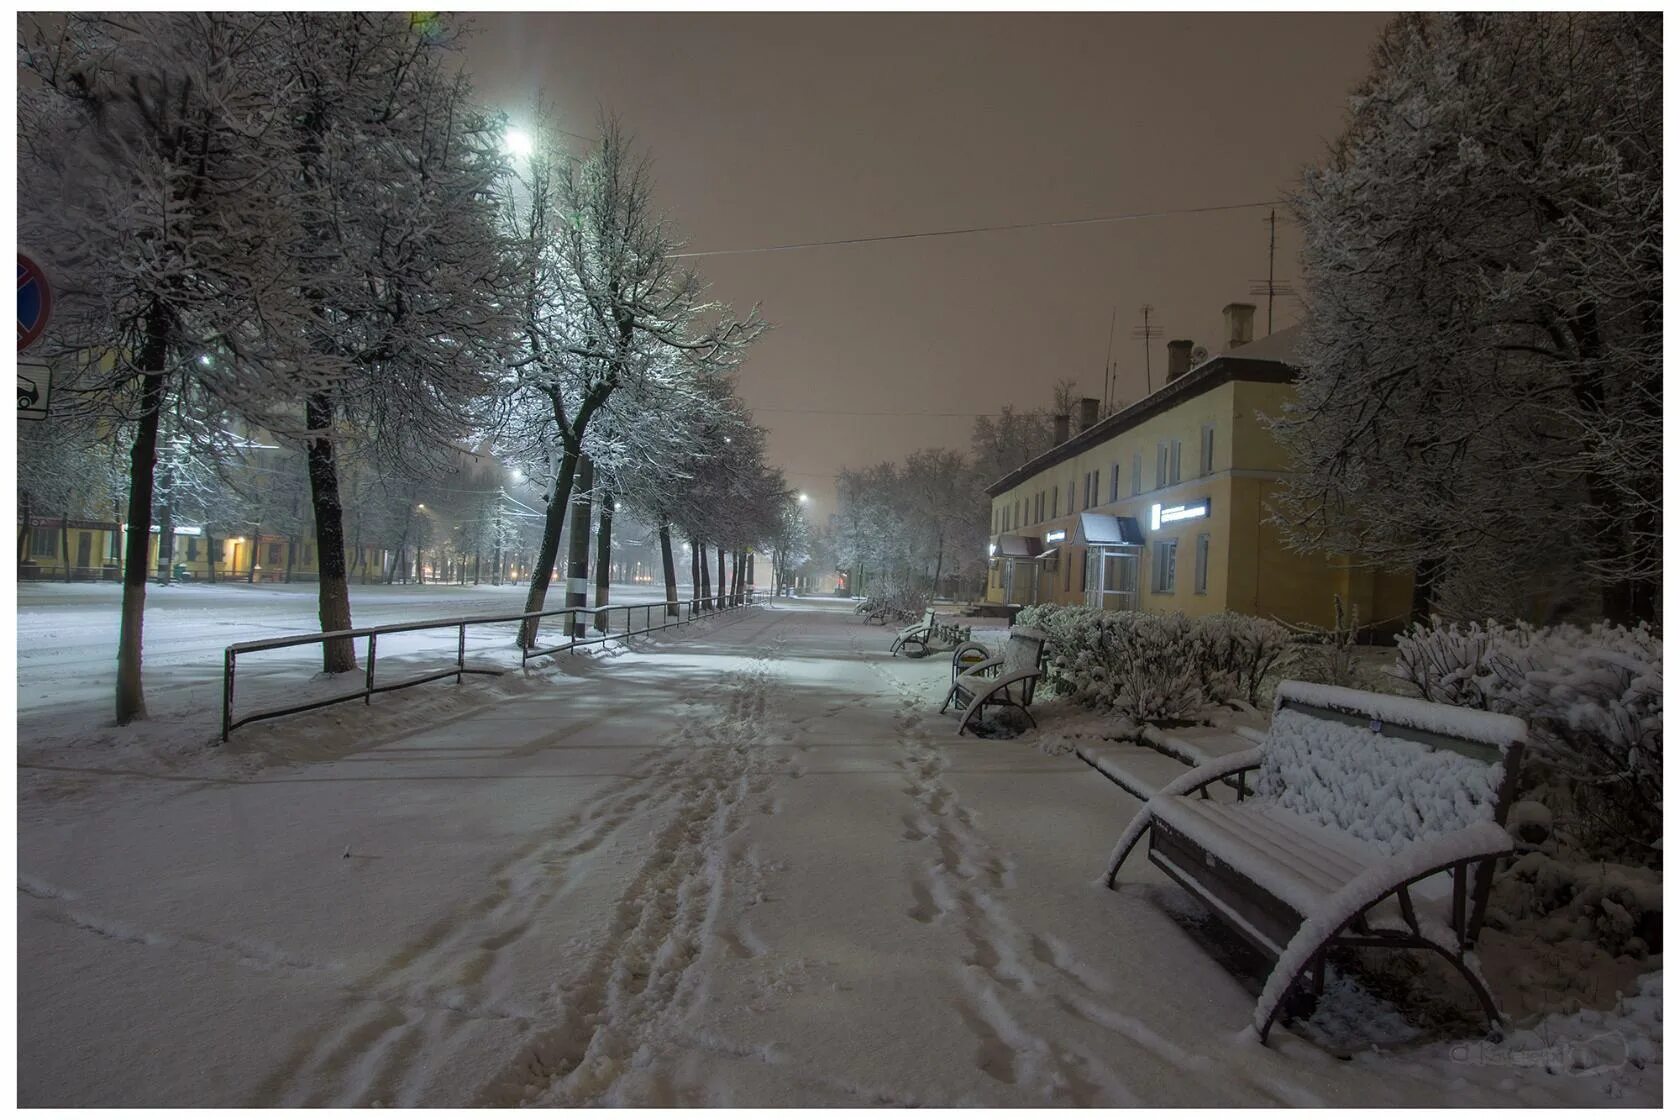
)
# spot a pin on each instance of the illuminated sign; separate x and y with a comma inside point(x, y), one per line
point(1055, 536)
point(1160, 515)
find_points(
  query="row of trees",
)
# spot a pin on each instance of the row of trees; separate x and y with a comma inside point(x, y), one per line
point(302, 226)
point(923, 522)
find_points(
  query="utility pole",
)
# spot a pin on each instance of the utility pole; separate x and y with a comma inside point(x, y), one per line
point(1108, 359)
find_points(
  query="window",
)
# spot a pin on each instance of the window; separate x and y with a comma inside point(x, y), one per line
point(43, 541)
point(308, 555)
point(1207, 449)
point(1160, 464)
point(1177, 454)
point(1055, 496)
point(221, 552)
point(1201, 563)
point(192, 548)
point(274, 555)
point(1164, 578)
point(1114, 483)
point(1137, 472)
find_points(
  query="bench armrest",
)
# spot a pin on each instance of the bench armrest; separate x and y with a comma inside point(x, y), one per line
point(1209, 772)
point(981, 669)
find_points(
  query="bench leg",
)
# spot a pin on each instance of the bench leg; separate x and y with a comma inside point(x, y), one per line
point(1496, 1021)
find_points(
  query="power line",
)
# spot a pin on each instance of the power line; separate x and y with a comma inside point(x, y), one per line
point(1107, 218)
point(847, 412)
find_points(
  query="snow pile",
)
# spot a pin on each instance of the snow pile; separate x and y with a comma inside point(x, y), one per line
point(1388, 792)
point(1592, 698)
point(1151, 666)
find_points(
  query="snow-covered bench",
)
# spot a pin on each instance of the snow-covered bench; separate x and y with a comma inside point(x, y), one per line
point(915, 638)
point(1374, 821)
point(1006, 679)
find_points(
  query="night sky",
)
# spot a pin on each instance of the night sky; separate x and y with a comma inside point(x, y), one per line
point(771, 129)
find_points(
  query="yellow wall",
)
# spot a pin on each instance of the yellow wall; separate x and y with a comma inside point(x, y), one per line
point(1249, 569)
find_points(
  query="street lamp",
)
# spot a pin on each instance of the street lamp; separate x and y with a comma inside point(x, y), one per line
point(804, 499)
point(518, 143)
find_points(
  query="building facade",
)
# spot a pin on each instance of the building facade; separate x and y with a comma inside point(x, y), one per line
point(1164, 505)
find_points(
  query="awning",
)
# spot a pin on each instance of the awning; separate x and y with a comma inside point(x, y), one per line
point(1014, 546)
point(1105, 528)
point(1047, 553)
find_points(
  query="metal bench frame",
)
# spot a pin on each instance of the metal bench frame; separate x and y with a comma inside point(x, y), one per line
point(919, 635)
point(1270, 924)
point(989, 683)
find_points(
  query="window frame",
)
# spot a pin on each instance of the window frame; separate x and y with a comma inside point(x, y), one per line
point(1207, 450)
point(1163, 564)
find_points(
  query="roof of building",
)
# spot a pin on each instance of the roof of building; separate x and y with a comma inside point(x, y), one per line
point(1271, 359)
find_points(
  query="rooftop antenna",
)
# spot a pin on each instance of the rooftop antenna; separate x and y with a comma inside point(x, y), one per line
point(1146, 333)
point(1269, 287)
point(1108, 361)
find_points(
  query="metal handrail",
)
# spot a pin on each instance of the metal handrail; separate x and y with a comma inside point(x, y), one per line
point(697, 607)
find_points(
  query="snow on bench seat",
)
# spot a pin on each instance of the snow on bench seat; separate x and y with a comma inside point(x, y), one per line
point(1140, 771)
point(1198, 745)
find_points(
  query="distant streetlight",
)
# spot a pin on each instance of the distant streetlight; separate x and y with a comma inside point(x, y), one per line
point(518, 475)
point(422, 505)
point(206, 361)
point(518, 143)
point(804, 498)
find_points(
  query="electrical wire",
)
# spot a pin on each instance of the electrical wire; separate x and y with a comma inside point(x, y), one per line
point(1134, 216)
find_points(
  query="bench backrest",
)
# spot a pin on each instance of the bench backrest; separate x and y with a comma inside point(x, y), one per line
point(1389, 770)
point(1023, 650)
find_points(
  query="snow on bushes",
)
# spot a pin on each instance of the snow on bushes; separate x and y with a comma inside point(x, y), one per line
point(1155, 666)
point(1616, 906)
point(1593, 701)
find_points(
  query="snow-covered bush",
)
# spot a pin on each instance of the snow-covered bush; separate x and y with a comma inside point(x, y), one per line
point(1617, 906)
point(1152, 667)
point(1592, 698)
point(1236, 653)
point(897, 594)
point(1329, 655)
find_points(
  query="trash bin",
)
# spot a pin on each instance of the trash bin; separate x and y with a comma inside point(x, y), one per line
point(181, 573)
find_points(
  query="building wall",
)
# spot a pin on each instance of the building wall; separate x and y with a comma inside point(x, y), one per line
point(1249, 568)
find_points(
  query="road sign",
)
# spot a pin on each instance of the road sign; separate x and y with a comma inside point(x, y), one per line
point(34, 302)
point(34, 390)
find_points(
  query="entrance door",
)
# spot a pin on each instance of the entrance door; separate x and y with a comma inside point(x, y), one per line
point(1021, 582)
point(84, 550)
point(1111, 577)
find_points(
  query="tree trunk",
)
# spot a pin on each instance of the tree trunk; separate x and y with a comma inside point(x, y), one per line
point(577, 552)
point(256, 541)
point(750, 572)
point(693, 574)
point(705, 578)
point(291, 556)
point(142, 460)
point(603, 561)
point(722, 582)
point(669, 564)
point(210, 552)
point(333, 587)
point(23, 526)
point(64, 540)
point(542, 569)
point(1424, 578)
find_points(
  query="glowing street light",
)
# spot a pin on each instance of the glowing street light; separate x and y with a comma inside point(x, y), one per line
point(518, 143)
point(804, 498)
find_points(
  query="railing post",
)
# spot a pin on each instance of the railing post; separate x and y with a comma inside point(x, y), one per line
point(373, 654)
point(227, 694)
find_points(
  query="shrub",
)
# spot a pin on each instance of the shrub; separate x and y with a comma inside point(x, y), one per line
point(1592, 698)
point(1154, 666)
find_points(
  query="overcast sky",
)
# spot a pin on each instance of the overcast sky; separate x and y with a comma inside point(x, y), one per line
point(772, 129)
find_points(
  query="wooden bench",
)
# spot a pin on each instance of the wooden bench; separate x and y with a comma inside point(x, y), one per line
point(1373, 821)
point(915, 639)
point(1006, 679)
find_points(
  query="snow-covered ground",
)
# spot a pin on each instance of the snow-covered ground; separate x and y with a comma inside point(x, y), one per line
point(744, 862)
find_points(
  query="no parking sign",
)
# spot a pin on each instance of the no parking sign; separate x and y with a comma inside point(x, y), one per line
point(34, 302)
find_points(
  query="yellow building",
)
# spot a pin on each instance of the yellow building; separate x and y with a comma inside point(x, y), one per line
point(1164, 505)
point(94, 550)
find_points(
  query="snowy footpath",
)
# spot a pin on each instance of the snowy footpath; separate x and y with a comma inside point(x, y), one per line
point(744, 863)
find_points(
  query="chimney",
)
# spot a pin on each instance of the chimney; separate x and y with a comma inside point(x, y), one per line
point(1239, 324)
point(1178, 358)
point(1062, 428)
point(1088, 412)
